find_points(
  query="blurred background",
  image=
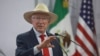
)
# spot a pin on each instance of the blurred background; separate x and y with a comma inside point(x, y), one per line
point(12, 22)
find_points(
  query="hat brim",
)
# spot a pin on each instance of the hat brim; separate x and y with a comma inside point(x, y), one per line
point(27, 16)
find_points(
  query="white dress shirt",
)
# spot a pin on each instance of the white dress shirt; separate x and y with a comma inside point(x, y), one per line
point(35, 49)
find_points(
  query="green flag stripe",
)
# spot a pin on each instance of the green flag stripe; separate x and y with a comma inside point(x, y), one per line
point(60, 11)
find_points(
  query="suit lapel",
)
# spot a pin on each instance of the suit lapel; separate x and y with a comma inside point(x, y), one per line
point(34, 40)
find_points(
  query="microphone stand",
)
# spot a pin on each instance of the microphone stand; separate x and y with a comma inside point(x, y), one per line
point(56, 34)
point(64, 51)
point(62, 47)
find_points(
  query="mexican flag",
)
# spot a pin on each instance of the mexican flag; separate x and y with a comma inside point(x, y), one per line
point(63, 23)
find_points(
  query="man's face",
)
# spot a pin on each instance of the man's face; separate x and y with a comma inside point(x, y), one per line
point(40, 21)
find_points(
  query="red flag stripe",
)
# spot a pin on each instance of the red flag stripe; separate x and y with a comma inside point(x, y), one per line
point(88, 37)
point(83, 46)
point(86, 42)
point(88, 30)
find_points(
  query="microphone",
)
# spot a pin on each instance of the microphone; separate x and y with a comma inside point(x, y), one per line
point(56, 34)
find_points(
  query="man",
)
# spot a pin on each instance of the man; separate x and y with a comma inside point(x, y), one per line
point(37, 41)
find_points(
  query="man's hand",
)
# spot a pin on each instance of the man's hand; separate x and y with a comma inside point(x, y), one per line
point(46, 43)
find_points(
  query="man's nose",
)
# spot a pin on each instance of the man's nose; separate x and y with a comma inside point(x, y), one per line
point(41, 20)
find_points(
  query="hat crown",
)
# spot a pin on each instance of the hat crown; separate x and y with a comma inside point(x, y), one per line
point(41, 7)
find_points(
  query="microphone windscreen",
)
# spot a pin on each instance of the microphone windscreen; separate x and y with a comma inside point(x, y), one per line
point(56, 34)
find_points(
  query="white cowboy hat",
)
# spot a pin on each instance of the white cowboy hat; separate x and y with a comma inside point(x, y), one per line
point(40, 8)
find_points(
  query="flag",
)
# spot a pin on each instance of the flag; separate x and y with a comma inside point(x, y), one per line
point(63, 23)
point(86, 33)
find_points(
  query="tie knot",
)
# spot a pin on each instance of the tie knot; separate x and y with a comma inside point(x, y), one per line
point(42, 36)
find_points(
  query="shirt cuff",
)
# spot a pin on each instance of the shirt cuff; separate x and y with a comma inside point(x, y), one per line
point(36, 50)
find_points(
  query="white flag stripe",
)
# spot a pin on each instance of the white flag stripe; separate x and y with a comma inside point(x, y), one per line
point(89, 32)
point(81, 51)
point(83, 24)
point(82, 37)
point(88, 45)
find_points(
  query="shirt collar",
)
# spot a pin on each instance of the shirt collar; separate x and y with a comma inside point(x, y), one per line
point(38, 33)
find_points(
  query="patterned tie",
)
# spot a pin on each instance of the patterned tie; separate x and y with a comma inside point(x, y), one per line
point(45, 50)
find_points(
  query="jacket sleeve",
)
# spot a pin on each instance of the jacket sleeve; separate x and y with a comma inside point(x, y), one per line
point(22, 49)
